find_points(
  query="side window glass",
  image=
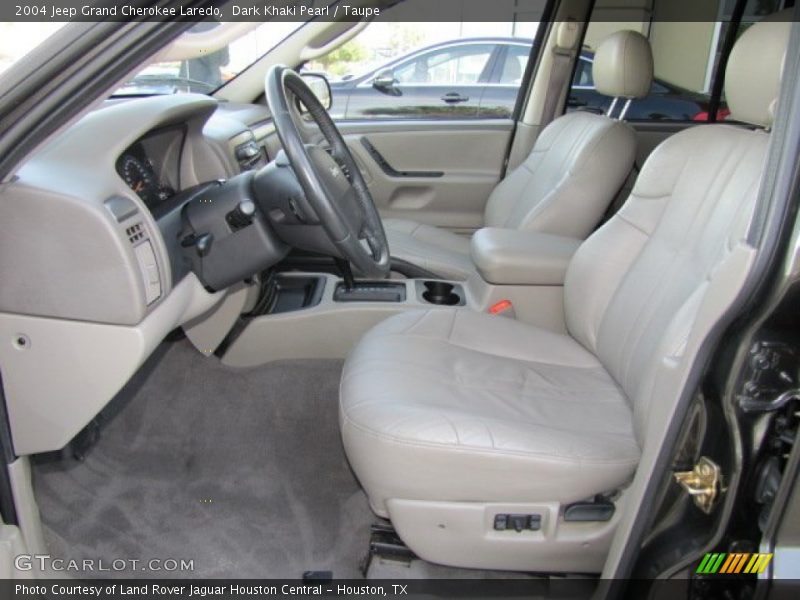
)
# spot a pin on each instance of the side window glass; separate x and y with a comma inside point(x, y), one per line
point(583, 74)
point(400, 68)
point(684, 55)
point(460, 65)
point(514, 65)
point(415, 71)
point(499, 99)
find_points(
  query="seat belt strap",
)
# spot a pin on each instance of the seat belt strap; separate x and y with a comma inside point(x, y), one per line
point(558, 79)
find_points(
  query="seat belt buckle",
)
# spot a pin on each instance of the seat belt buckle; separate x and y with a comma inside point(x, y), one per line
point(503, 308)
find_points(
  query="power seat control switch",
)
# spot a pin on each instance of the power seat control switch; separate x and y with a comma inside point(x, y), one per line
point(518, 523)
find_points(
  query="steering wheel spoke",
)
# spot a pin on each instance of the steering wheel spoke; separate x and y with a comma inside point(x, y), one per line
point(351, 211)
point(374, 245)
point(329, 176)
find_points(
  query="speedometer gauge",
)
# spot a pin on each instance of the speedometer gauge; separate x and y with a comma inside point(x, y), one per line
point(139, 178)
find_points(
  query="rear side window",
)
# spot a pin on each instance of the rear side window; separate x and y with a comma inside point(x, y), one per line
point(687, 57)
point(583, 73)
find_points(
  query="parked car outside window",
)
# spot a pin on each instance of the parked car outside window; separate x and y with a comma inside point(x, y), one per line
point(480, 78)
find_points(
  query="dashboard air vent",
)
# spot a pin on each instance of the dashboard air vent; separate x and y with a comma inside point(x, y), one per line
point(135, 233)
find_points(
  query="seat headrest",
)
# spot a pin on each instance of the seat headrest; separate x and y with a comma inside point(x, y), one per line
point(753, 75)
point(623, 65)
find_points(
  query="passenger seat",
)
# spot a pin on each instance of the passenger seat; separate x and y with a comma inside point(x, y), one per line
point(578, 164)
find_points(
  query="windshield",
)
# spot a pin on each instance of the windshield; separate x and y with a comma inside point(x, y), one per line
point(206, 57)
point(18, 39)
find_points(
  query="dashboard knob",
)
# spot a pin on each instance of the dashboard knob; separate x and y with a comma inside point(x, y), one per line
point(241, 216)
point(201, 243)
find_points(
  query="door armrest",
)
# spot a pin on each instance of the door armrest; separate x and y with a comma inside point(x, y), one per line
point(515, 257)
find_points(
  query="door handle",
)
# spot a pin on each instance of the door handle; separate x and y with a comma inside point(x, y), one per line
point(454, 98)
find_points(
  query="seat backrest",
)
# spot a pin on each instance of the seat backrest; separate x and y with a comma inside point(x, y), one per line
point(580, 160)
point(633, 288)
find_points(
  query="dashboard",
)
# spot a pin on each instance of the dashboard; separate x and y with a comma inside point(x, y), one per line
point(151, 166)
point(95, 275)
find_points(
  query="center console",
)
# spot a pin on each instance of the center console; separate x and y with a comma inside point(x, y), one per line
point(520, 257)
point(305, 313)
point(289, 292)
point(318, 315)
point(440, 293)
point(370, 291)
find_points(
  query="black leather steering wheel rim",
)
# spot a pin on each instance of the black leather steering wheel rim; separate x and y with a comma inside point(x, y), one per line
point(331, 181)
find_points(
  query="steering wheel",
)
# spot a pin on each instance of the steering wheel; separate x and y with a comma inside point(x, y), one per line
point(330, 178)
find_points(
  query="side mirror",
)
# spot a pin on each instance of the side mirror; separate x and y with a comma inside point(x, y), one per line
point(318, 84)
point(384, 81)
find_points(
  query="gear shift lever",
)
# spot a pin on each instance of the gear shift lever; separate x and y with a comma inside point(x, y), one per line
point(347, 273)
point(365, 291)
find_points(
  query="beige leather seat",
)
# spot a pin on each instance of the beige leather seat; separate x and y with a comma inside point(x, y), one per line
point(451, 417)
point(577, 166)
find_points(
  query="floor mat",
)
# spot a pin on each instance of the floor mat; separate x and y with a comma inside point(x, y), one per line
point(240, 470)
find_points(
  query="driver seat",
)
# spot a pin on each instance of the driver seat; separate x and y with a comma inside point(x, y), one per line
point(578, 164)
point(457, 423)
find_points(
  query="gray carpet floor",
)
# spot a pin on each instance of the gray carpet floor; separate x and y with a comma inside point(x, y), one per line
point(241, 470)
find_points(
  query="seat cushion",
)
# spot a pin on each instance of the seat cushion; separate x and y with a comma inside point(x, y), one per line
point(434, 249)
point(456, 405)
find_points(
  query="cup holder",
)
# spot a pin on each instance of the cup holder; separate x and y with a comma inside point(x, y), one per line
point(441, 293)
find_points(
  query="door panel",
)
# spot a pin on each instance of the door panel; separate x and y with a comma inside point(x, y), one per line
point(438, 172)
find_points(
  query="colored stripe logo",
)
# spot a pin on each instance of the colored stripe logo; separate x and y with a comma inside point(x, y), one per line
point(733, 563)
